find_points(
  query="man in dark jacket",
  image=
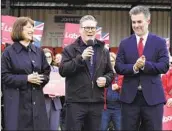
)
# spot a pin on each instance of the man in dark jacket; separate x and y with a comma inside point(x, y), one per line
point(87, 70)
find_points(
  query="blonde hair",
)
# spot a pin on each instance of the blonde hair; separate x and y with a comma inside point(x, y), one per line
point(113, 55)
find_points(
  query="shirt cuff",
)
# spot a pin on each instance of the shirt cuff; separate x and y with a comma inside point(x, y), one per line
point(143, 68)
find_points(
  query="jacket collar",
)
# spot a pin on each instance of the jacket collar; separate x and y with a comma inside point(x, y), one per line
point(18, 47)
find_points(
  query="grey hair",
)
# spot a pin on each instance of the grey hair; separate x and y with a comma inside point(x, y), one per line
point(87, 17)
point(140, 9)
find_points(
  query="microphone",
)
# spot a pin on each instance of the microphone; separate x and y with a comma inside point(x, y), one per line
point(90, 43)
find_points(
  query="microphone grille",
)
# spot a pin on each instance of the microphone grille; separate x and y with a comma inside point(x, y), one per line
point(90, 43)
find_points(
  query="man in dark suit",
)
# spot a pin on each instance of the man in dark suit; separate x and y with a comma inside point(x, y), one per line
point(141, 58)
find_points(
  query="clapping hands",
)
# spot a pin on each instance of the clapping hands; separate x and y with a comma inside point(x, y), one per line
point(140, 63)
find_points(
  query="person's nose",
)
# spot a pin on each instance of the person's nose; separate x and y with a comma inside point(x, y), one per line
point(90, 31)
point(136, 25)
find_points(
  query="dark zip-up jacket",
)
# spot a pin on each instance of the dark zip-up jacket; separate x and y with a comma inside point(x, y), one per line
point(79, 85)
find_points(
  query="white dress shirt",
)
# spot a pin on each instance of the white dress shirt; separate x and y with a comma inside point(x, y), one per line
point(144, 42)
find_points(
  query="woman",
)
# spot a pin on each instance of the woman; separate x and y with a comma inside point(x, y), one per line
point(58, 58)
point(24, 72)
point(53, 104)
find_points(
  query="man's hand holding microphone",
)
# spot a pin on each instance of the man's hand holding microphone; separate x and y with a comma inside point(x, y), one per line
point(88, 54)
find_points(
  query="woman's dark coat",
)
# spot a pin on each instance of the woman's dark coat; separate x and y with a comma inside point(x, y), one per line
point(24, 104)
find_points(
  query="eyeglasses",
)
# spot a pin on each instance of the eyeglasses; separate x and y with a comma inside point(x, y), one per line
point(89, 28)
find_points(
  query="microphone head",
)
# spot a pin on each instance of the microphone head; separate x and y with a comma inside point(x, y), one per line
point(90, 42)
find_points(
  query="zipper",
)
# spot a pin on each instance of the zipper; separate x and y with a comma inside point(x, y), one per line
point(92, 84)
point(92, 80)
point(92, 92)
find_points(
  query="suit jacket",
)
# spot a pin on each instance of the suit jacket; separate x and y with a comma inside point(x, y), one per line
point(157, 62)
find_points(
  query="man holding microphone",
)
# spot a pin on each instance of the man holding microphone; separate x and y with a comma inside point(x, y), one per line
point(87, 68)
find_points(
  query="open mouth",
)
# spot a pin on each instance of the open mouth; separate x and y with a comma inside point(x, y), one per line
point(30, 34)
point(90, 35)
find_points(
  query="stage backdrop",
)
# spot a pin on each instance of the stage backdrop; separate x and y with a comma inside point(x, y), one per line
point(105, 38)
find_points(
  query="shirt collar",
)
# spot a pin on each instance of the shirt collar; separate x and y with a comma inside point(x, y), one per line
point(18, 47)
point(83, 44)
point(33, 48)
point(144, 38)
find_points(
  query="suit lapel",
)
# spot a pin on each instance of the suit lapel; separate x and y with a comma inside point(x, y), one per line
point(146, 49)
point(148, 44)
point(134, 46)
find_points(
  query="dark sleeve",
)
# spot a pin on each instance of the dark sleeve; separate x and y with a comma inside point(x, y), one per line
point(109, 75)
point(45, 70)
point(120, 66)
point(161, 65)
point(70, 63)
point(9, 78)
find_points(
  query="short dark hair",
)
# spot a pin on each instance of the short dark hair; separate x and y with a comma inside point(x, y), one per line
point(16, 34)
